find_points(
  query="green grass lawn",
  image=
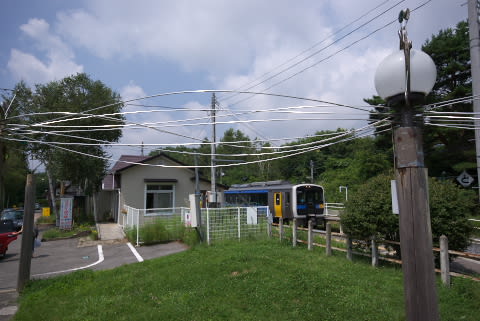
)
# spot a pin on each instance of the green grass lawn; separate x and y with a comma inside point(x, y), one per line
point(248, 280)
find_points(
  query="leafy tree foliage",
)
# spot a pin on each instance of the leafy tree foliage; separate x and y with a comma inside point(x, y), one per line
point(449, 151)
point(13, 156)
point(44, 124)
point(369, 212)
point(16, 169)
point(358, 161)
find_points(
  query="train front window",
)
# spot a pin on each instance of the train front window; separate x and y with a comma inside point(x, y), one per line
point(309, 196)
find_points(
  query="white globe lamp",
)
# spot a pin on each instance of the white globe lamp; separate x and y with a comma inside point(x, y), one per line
point(391, 77)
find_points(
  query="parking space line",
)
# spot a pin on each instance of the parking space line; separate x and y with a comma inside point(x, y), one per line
point(134, 251)
point(100, 260)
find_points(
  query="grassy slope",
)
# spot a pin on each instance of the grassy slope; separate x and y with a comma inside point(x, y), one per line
point(237, 281)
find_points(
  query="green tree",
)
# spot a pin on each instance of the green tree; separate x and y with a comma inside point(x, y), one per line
point(450, 150)
point(358, 161)
point(13, 153)
point(54, 137)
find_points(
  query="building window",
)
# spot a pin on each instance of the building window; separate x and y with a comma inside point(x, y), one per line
point(159, 195)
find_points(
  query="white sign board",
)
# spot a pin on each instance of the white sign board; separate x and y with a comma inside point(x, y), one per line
point(191, 217)
point(252, 216)
point(66, 213)
point(393, 188)
point(465, 179)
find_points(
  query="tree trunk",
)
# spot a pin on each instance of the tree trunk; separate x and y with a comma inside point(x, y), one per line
point(51, 190)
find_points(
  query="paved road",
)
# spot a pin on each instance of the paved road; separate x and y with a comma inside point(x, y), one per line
point(64, 256)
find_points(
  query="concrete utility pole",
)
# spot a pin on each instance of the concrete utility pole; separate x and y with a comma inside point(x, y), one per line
point(27, 235)
point(403, 79)
point(213, 150)
point(474, 33)
point(198, 210)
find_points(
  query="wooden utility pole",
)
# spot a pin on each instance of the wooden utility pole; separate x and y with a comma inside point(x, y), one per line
point(474, 34)
point(412, 186)
point(28, 234)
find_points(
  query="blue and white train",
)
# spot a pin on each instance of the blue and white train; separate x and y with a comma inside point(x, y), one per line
point(285, 200)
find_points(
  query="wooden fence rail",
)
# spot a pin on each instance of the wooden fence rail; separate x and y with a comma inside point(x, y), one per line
point(375, 254)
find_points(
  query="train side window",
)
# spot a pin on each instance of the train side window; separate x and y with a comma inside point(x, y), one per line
point(287, 197)
point(277, 198)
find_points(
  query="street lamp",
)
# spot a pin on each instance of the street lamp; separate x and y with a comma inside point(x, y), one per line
point(403, 79)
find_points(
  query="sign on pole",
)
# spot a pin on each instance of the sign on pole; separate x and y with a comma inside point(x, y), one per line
point(66, 209)
point(465, 179)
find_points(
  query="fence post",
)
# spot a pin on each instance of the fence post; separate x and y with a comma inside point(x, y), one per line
point(349, 249)
point(280, 230)
point(238, 222)
point(374, 252)
point(138, 227)
point(444, 260)
point(328, 239)
point(208, 226)
point(294, 232)
point(269, 227)
point(310, 235)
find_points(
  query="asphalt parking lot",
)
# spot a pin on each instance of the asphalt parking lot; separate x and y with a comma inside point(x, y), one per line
point(65, 256)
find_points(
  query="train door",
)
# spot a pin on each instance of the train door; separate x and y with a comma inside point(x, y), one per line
point(277, 204)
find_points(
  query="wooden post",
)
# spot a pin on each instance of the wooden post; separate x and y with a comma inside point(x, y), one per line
point(328, 239)
point(27, 235)
point(208, 227)
point(294, 232)
point(374, 252)
point(280, 228)
point(310, 235)
point(444, 260)
point(349, 249)
point(415, 230)
point(238, 224)
point(269, 228)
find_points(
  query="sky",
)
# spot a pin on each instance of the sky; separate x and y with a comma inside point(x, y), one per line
point(316, 49)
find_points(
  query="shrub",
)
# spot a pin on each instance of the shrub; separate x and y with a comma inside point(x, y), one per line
point(190, 236)
point(368, 212)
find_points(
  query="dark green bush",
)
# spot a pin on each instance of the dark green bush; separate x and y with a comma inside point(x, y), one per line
point(368, 212)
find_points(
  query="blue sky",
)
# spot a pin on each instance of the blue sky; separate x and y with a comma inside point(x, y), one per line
point(141, 48)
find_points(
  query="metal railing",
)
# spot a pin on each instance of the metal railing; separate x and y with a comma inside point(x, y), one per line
point(217, 223)
point(134, 219)
point(234, 222)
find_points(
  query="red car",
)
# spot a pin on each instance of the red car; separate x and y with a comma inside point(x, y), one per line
point(7, 228)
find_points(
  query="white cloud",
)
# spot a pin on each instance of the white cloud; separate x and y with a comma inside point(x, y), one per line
point(59, 60)
point(201, 35)
point(232, 43)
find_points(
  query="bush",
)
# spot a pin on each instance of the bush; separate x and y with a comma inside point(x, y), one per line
point(368, 212)
point(450, 208)
point(190, 236)
point(159, 231)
